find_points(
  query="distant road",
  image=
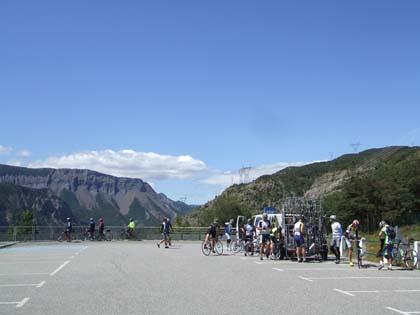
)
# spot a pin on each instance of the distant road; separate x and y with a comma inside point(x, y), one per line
point(139, 278)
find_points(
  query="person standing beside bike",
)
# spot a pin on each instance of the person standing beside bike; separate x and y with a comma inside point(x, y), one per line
point(387, 233)
point(249, 237)
point(336, 237)
point(228, 232)
point(101, 229)
point(264, 227)
point(212, 232)
point(351, 235)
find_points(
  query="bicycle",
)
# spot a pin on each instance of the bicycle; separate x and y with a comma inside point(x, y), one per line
point(207, 247)
point(64, 236)
point(360, 253)
point(403, 253)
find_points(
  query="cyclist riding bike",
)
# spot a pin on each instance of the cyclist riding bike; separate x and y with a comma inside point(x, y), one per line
point(264, 227)
point(131, 228)
point(386, 233)
point(212, 232)
point(350, 236)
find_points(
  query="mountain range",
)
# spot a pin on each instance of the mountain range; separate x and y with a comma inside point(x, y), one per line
point(381, 183)
point(52, 195)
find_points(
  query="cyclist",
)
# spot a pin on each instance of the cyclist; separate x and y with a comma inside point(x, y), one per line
point(298, 231)
point(212, 232)
point(249, 237)
point(336, 237)
point(264, 227)
point(130, 228)
point(168, 220)
point(101, 228)
point(351, 235)
point(165, 230)
point(388, 248)
point(91, 229)
point(69, 229)
point(228, 232)
point(276, 238)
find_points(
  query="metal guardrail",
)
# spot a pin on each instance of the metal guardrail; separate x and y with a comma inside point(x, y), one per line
point(52, 233)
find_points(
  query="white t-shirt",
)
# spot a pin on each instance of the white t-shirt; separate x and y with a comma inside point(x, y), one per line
point(336, 230)
point(297, 228)
point(265, 225)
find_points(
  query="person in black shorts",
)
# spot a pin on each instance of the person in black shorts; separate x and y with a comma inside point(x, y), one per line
point(264, 226)
point(212, 232)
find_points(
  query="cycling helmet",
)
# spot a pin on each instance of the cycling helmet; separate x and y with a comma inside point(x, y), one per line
point(101, 219)
point(265, 215)
point(249, 221)
point(91, 219)
point(333, 217)
point(382, 224)
point(216, 221)
point(356, 223)
point(68, 219)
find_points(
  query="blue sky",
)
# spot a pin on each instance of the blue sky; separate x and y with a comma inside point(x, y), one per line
point(184, 93)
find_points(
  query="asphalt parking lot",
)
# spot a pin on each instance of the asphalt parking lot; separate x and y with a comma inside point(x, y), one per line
point(139, 278)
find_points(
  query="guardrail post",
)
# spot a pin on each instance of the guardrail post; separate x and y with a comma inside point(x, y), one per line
point(14, 233)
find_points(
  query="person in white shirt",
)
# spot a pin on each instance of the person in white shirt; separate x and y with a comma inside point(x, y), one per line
point(337, 232)
point(298, 231)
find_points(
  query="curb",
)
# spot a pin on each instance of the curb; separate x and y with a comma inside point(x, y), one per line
point(8, 244)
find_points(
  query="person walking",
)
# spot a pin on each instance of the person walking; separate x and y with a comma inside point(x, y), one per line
point(91, 229)
point(69, 230)
point(165, 230)
point(298, 232)
point(337, 232)
point(101, 229)
point(249, 229)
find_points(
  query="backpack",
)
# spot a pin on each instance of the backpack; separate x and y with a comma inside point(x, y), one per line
point(390, 231)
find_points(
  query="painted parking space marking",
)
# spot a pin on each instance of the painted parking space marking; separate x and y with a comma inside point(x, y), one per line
point(354, 292)
point(365, 278)
point(17, 304)
point(278, 269)
point(36, 285)
point(306, 279)
point(401, 312)
point(24, 274)
point(59, 268)
point(257, 262)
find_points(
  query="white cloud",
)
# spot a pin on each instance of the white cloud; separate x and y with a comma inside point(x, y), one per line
point(14, 163)
point(128, 163)
point(225, 179)
point(25, 153)
point(4, 149)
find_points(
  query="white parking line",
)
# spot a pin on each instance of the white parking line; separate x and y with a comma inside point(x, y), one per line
point(401, 312)
point(278, 269)
point(23, 302)
point(59, 268)
point(37, 285)
point(23, 274)
point(257, 262)
point(344, 292)
point(18, 304)
point(373, 278)
point(30, 262)
point(306, 279)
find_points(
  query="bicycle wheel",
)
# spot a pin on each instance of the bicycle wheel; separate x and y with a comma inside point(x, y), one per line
point(219, 248)
point(396, 261)
point(206, 248)
point(108, 236)
point(236, 246)
point(359, 259)
point(410, 259)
